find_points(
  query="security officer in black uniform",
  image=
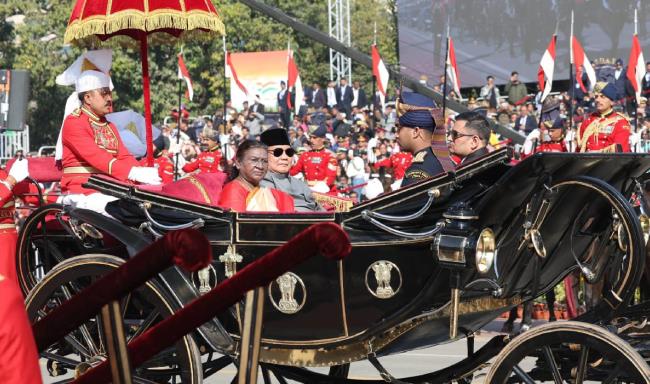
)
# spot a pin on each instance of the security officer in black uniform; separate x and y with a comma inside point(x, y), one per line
point(414, 134)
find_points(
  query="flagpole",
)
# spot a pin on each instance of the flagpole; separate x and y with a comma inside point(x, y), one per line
point(374, 83)
point(572, 79)
point(444, 85)
point(225, 82)
point(178, 126)
point(636, 105)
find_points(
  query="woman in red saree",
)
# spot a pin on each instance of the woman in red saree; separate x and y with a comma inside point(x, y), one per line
point(244, 193)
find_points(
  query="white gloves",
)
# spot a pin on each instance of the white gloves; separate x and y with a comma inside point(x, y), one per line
point(19, 170)
point(320, 187)
point(145, 175)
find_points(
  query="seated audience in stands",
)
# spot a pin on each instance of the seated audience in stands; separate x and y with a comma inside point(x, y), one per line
point(243, 192)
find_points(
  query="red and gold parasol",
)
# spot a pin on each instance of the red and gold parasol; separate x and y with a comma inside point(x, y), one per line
point(93, 20)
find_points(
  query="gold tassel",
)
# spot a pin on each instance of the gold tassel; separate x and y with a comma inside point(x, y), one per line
point(103, 25)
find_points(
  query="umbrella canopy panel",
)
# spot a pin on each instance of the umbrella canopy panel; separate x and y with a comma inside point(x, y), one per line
point(102, 19)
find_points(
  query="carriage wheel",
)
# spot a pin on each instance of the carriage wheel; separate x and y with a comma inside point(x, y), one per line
point(616, 249)
point(40, 246)
point(142, 308)
point(568, 352)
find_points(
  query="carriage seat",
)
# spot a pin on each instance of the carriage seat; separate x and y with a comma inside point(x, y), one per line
point(202, 188)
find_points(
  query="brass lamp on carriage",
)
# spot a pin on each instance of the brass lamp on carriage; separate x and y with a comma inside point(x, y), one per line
point(455, 244)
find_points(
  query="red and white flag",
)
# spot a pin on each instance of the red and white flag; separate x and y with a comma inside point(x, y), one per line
point(293, 80)
point(231, 73)
point(581, 60)
point(380, 72)
point(452, 68)
point(183, 74)
point(636, 67)
point(546, 67)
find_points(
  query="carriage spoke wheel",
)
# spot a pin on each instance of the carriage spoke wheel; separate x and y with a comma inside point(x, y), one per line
point(42, 243)
point(568, 352)
point(84, 347)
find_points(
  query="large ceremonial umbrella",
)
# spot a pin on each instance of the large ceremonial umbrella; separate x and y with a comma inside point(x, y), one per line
point(93, 21)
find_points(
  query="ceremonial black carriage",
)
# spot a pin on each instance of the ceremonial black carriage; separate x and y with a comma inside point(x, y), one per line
point(430, 263)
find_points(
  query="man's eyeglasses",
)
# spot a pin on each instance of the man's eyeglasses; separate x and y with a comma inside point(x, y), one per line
point(277, 152)
point(453, 134)
point(103, 92)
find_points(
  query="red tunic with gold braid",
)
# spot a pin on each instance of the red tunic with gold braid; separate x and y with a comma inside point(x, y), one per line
point(607, 132)
point(8, 235)
point(207, 161)
point(92, 145)
point(399, 162)
point(317, 165)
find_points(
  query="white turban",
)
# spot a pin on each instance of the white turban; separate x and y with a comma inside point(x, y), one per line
point(91, 80)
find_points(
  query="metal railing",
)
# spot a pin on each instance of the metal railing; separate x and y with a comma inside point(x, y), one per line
point(10, 141)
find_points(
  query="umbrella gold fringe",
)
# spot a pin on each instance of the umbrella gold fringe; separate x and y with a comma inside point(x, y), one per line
point(151, 22)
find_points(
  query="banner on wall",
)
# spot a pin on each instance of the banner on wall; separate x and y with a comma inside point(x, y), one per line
point(260, 73)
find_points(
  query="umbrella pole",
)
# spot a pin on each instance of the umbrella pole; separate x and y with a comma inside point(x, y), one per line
point(147, 98)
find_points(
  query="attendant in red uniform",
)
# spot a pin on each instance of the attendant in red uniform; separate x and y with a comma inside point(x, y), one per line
point(550, 134)
point(318, 165)
point(400, 162)
point(210, 159)
point(8, 236)
point(18, 355)
point(604, 130)
point(244, 193)
point(92, 145)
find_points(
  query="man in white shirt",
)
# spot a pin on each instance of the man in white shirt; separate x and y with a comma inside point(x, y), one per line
point(331, 94)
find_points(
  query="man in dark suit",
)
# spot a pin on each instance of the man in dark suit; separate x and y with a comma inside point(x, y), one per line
point(283, 105)
point(358, 96)
point(257, 106)
point(525, 122)
point(317, 97)
point(468, 139)
point(619, 79)
point(344, 97)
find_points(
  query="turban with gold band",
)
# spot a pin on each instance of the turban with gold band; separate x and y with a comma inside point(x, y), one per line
point(606, 89)
point(415, 110)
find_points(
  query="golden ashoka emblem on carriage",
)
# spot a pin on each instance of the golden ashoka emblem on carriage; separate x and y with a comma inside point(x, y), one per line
point(288, 293)
point(205, 279)
point(383, 279)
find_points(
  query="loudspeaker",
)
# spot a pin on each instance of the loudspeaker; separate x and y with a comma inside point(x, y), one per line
point(14, 96)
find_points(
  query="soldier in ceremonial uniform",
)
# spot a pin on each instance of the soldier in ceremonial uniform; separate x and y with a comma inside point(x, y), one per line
point(400, 162)
point(209, 160)
point(277, 177)
point(318, 165)
point(414, 134)
point(92, 145)
point(604, 130)
point(550, 134)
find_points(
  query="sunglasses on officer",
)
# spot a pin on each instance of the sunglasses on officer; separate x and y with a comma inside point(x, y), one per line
point(277, 152)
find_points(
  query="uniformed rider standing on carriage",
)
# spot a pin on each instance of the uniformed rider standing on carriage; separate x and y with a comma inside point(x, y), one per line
point(92, 145)
point(414, 134)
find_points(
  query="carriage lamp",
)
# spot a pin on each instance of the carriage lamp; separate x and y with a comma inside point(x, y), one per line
point(451, 245)
point(456, 240)
point(485, 250)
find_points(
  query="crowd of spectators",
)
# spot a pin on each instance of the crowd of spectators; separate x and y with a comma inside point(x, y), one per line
point(360, 138)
